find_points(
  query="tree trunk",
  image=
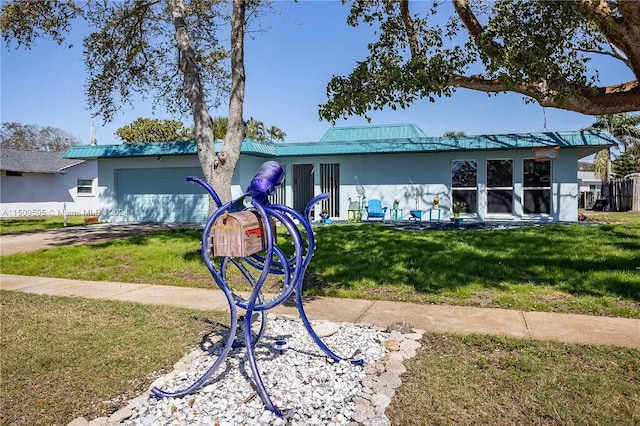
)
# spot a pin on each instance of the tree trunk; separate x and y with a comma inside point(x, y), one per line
point(218, 168)
point(236, 130)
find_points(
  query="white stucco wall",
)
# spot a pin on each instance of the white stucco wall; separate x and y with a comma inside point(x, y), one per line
point(390, 177)
point(385, 177)
point(109, 167)
point(40, 194)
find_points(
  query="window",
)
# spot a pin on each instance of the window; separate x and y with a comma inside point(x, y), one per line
point(500, 186)
point(84, 186)
point(537, 187)
point(279, 195)
point(464, 183)
point(330, 184)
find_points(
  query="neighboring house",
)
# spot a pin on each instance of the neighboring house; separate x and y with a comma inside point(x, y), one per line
point(590, 187)
point(41, 183)
point(589, 182)
point(530, 176)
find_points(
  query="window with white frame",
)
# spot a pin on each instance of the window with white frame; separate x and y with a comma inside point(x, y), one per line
point(536, 182)
point(464, 183)
point(84, 186)
point(500, 186)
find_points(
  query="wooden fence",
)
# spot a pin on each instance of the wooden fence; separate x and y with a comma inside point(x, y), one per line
point(622, 195)
point(587, 199)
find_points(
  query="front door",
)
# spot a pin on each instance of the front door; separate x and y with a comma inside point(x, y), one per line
point(302, 186)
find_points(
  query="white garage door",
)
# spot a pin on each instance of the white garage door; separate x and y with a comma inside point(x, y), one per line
point(161, 195)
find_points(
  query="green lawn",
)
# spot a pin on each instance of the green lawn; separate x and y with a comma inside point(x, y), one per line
point(563, 268)
point(62, 358)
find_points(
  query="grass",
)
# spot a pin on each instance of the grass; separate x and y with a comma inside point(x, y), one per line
point(32, 224)
point(62, 358)
point(631, 218)
point(560, 268)
point(505, 381)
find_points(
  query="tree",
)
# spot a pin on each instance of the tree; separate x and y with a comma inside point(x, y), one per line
point(602, 165)
point(275, 134)
point(144, 130)
point(624, 128)
point(539, 49)
point(167, 49)
point(255, 130)
point(453, 134)
point(220, 125)
point(31, 137)
point(625, 164)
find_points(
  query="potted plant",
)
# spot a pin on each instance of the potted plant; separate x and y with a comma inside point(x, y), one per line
point(458, 207)
point(436, 203)
point(396, 203)
point(324, 216)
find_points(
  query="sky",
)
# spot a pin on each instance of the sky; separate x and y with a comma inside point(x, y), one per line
point(288, 68)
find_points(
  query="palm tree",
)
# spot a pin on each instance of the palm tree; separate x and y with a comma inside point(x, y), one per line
point(275, 134)
point(220, 125)
point(255, 129)
point(624, 128)
point(601, 164)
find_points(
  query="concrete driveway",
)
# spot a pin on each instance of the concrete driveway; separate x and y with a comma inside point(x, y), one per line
point(24, 242)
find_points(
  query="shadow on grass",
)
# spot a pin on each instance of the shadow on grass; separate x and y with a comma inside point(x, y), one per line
point(571, 258)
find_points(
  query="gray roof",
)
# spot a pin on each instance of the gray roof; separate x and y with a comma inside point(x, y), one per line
point(15, 160)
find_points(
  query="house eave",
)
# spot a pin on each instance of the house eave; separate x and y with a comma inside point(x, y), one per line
point(587, 141)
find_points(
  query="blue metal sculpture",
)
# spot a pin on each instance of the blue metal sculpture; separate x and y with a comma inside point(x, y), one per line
point(271, 260)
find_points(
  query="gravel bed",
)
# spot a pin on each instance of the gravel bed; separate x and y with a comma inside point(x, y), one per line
point(304, 383)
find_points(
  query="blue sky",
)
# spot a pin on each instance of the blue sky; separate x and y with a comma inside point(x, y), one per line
point(288, 68)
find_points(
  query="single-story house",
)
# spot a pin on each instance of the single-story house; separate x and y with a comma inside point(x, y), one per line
point(530, 176)
point(589, 182)
point(590, 188)
point(43, 183)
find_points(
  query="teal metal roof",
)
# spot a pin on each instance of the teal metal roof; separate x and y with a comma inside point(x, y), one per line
point(372, 133)
point(591, 139)
point(258, 148)
point(132, 150)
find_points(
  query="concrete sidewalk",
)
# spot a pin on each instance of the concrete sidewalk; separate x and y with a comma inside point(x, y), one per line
point(570, 328)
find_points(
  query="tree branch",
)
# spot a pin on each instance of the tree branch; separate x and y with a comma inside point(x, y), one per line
point(613, 54)
point(409, 28)
point(476, 30)
point(612, 99)
point(623, 33)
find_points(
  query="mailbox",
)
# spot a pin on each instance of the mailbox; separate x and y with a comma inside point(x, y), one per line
point(239, 234)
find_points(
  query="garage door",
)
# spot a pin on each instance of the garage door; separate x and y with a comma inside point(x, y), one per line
point(161, 195)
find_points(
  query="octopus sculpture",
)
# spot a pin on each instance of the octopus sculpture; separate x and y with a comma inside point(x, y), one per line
point(255, 269)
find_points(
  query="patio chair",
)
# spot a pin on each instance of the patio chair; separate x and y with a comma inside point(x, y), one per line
point(375, 210)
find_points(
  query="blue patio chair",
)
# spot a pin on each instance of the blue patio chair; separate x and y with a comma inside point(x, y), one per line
point(375, 210)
